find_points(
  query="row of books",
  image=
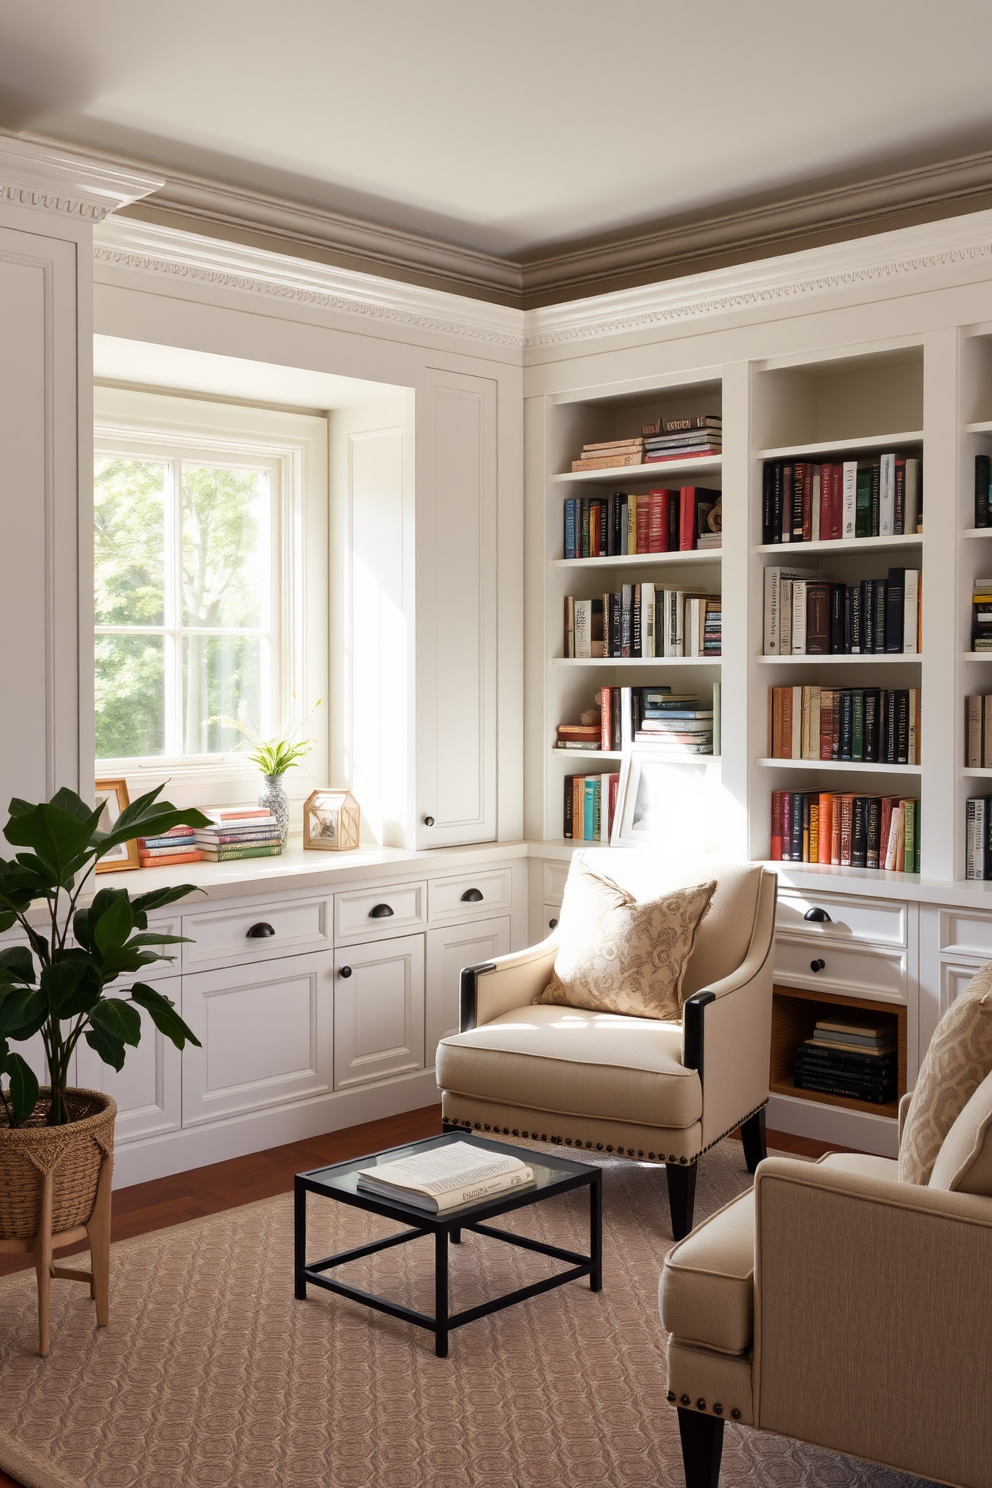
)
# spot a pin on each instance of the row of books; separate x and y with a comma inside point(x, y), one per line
point(807, 502)
point(981, 615)
point(870, 725)
point(664, 439)
point(644, 620)
point(644, 715)
point(983, 482)
point(234, 832)
point(852, 1058)
point(847, 831)
point(590, 803)
point(806, 614)
point(978, 837)
point(978, 732)
point(660, 521)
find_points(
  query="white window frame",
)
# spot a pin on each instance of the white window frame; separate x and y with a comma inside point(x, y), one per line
point(292, 448)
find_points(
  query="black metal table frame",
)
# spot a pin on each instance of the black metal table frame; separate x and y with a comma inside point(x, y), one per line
point(442, 1228)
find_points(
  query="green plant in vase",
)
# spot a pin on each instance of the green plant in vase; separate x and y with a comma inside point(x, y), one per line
point(274, 757)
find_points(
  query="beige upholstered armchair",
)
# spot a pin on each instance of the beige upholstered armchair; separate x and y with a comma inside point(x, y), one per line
point(844, 1304)
point(638, 1087)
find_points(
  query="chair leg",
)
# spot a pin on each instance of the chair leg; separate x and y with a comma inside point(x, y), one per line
point(702, 1448)
point(43, 1263)
point(753, 1137)
point(681, 1196)
point(98, 1232)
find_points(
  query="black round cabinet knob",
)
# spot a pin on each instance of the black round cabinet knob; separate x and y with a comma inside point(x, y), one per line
point(817, 965)
point(818, 915)
point(346, 971)
point(428, 821)
point(261, 931)
point(552, 924)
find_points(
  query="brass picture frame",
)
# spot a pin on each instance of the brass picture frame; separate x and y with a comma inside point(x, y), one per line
point(113, 795)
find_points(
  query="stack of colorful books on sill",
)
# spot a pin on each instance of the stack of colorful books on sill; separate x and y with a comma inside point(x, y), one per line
point(239, 832)
point(850, 1058)
point(179, 845)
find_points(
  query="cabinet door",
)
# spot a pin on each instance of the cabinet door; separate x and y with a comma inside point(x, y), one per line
point(148, 1090)
point(266, 1032)
point(378, 1010)
point(456, 610)
point(448, 950)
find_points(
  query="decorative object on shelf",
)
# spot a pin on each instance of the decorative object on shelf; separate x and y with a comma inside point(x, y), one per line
point(56, 1143)
point(112, 796)
point(665, 803)
point(274, 757)
point(331, 821)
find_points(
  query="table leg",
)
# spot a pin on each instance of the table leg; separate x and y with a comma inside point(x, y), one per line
point(596, 1230)
point(456, 1237)
point(441, 1294)
point(300, 1241)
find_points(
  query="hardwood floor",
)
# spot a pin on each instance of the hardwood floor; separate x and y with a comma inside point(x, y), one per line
point(242, 1180)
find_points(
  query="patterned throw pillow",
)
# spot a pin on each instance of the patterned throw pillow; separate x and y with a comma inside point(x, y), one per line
point(964, 1162)
point(956, 1063)
point(617, 955)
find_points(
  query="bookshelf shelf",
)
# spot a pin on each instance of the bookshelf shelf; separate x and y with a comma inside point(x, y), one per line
point(983, 427)
point(973, 534)
point(977, 655)
point(872, 658)
point(795, 1011)
point(644, 560)
point(655, 473)
point(588, 754)
point(891, 544)
point(637, 662)
point(867, 767)
point(976, 770)
point(839, 447)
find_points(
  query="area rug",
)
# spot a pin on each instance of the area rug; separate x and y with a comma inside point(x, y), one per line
point(211, 1376)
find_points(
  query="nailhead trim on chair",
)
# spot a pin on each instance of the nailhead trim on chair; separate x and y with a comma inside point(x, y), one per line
point(717, 1406)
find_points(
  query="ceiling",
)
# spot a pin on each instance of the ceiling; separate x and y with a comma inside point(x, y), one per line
point(505, 127)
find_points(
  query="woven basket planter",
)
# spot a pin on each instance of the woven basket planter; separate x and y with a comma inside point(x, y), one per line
point(73, 1154)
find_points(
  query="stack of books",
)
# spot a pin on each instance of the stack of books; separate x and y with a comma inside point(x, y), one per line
point(807, 615)
point(676, 724)
point(661, 521)
point(610, 453)
point(630, 715)
point(873, 725)
point(590, 804)
point(847, 831)
point(239, 832)
point(851, 1058)
point(680, 439)
point(179, 845)
point(805, 502)
point(981, 615)
point(644, 620)
point(978, 837)
point(579, 736)
point(978, 732)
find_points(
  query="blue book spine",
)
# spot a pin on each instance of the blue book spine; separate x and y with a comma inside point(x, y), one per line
point(179, 843)
point(590, 813)
point(570, 506)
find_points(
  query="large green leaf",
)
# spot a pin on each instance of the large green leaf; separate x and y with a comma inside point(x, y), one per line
point(57, 837)
point(7, 918)
point(156, 824)
point(17, 965)
point(23, 1083)
point(164, 1015)
point(59, 982)
point(117, 1018)
point(67, 800)
point(22, 1012)
point(155, 898)
point(110, 1049)
point(112, 928)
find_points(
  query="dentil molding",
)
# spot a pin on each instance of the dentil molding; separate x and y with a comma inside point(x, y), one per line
point(34, 175)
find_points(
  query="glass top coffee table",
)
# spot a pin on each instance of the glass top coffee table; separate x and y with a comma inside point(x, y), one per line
point(552, 1175)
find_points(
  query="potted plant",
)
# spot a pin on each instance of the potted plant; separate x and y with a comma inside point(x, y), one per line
point(273, 757)
point(55, 1142)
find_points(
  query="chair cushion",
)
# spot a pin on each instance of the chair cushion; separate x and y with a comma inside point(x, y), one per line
point(864, 1164)
point(707, 1283)
point(955, 1064)
point(964, 1162)
point(618, 955)
point(577, 1063)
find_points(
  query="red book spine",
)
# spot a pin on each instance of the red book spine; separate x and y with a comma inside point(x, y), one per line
point(837, 517)
point(606, 718)
point(687, 518)
point(826, 501)
point(777, 826)
point(613, 791)
point(807, 502)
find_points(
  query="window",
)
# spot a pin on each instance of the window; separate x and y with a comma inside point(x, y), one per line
point(200, 529)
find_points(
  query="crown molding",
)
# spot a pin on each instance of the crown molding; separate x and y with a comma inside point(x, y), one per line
point(33, 175)
point(123, 243)
point(883, 261)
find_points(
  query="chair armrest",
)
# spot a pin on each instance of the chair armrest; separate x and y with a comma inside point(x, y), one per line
point(904, 1112)
point(509, 982)
point(872, 1300)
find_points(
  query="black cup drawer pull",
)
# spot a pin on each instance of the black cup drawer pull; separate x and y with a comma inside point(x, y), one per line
point(472, 896)
point(261, 931)
point(380, 912)
point(817, 965)
point(820, 916)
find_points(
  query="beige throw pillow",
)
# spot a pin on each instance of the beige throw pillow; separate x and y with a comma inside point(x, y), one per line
point(964, 1162)
point(617, 955)
point(956, 1063)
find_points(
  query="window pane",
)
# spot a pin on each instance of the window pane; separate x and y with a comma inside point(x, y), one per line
point(225, 543)
point(129, 530)
point(218, 673)
point(130, 696)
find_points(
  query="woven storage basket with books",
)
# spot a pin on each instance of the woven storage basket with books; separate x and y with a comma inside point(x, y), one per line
point(73, 1154)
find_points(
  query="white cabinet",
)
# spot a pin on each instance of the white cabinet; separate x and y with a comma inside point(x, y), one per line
point(148, 1090)
point(378, 1010)
point(266, 1032)
point(448, 951)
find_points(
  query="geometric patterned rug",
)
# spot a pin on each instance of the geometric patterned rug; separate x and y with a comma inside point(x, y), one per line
point(211, 1376)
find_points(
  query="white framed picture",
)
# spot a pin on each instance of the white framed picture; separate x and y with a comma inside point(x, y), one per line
point(668, 803)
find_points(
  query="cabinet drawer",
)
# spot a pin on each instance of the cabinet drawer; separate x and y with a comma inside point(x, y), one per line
point(469, 895)
point(966, 933)
point(224, 936)
point(372, 914)
point(849, 969)
point(878, 921)
point(553, 882)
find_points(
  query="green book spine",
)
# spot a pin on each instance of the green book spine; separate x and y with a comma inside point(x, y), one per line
point(858, 723)
point(909, 837)
point(226, 854)
point(917, 854)
point(862, 507)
